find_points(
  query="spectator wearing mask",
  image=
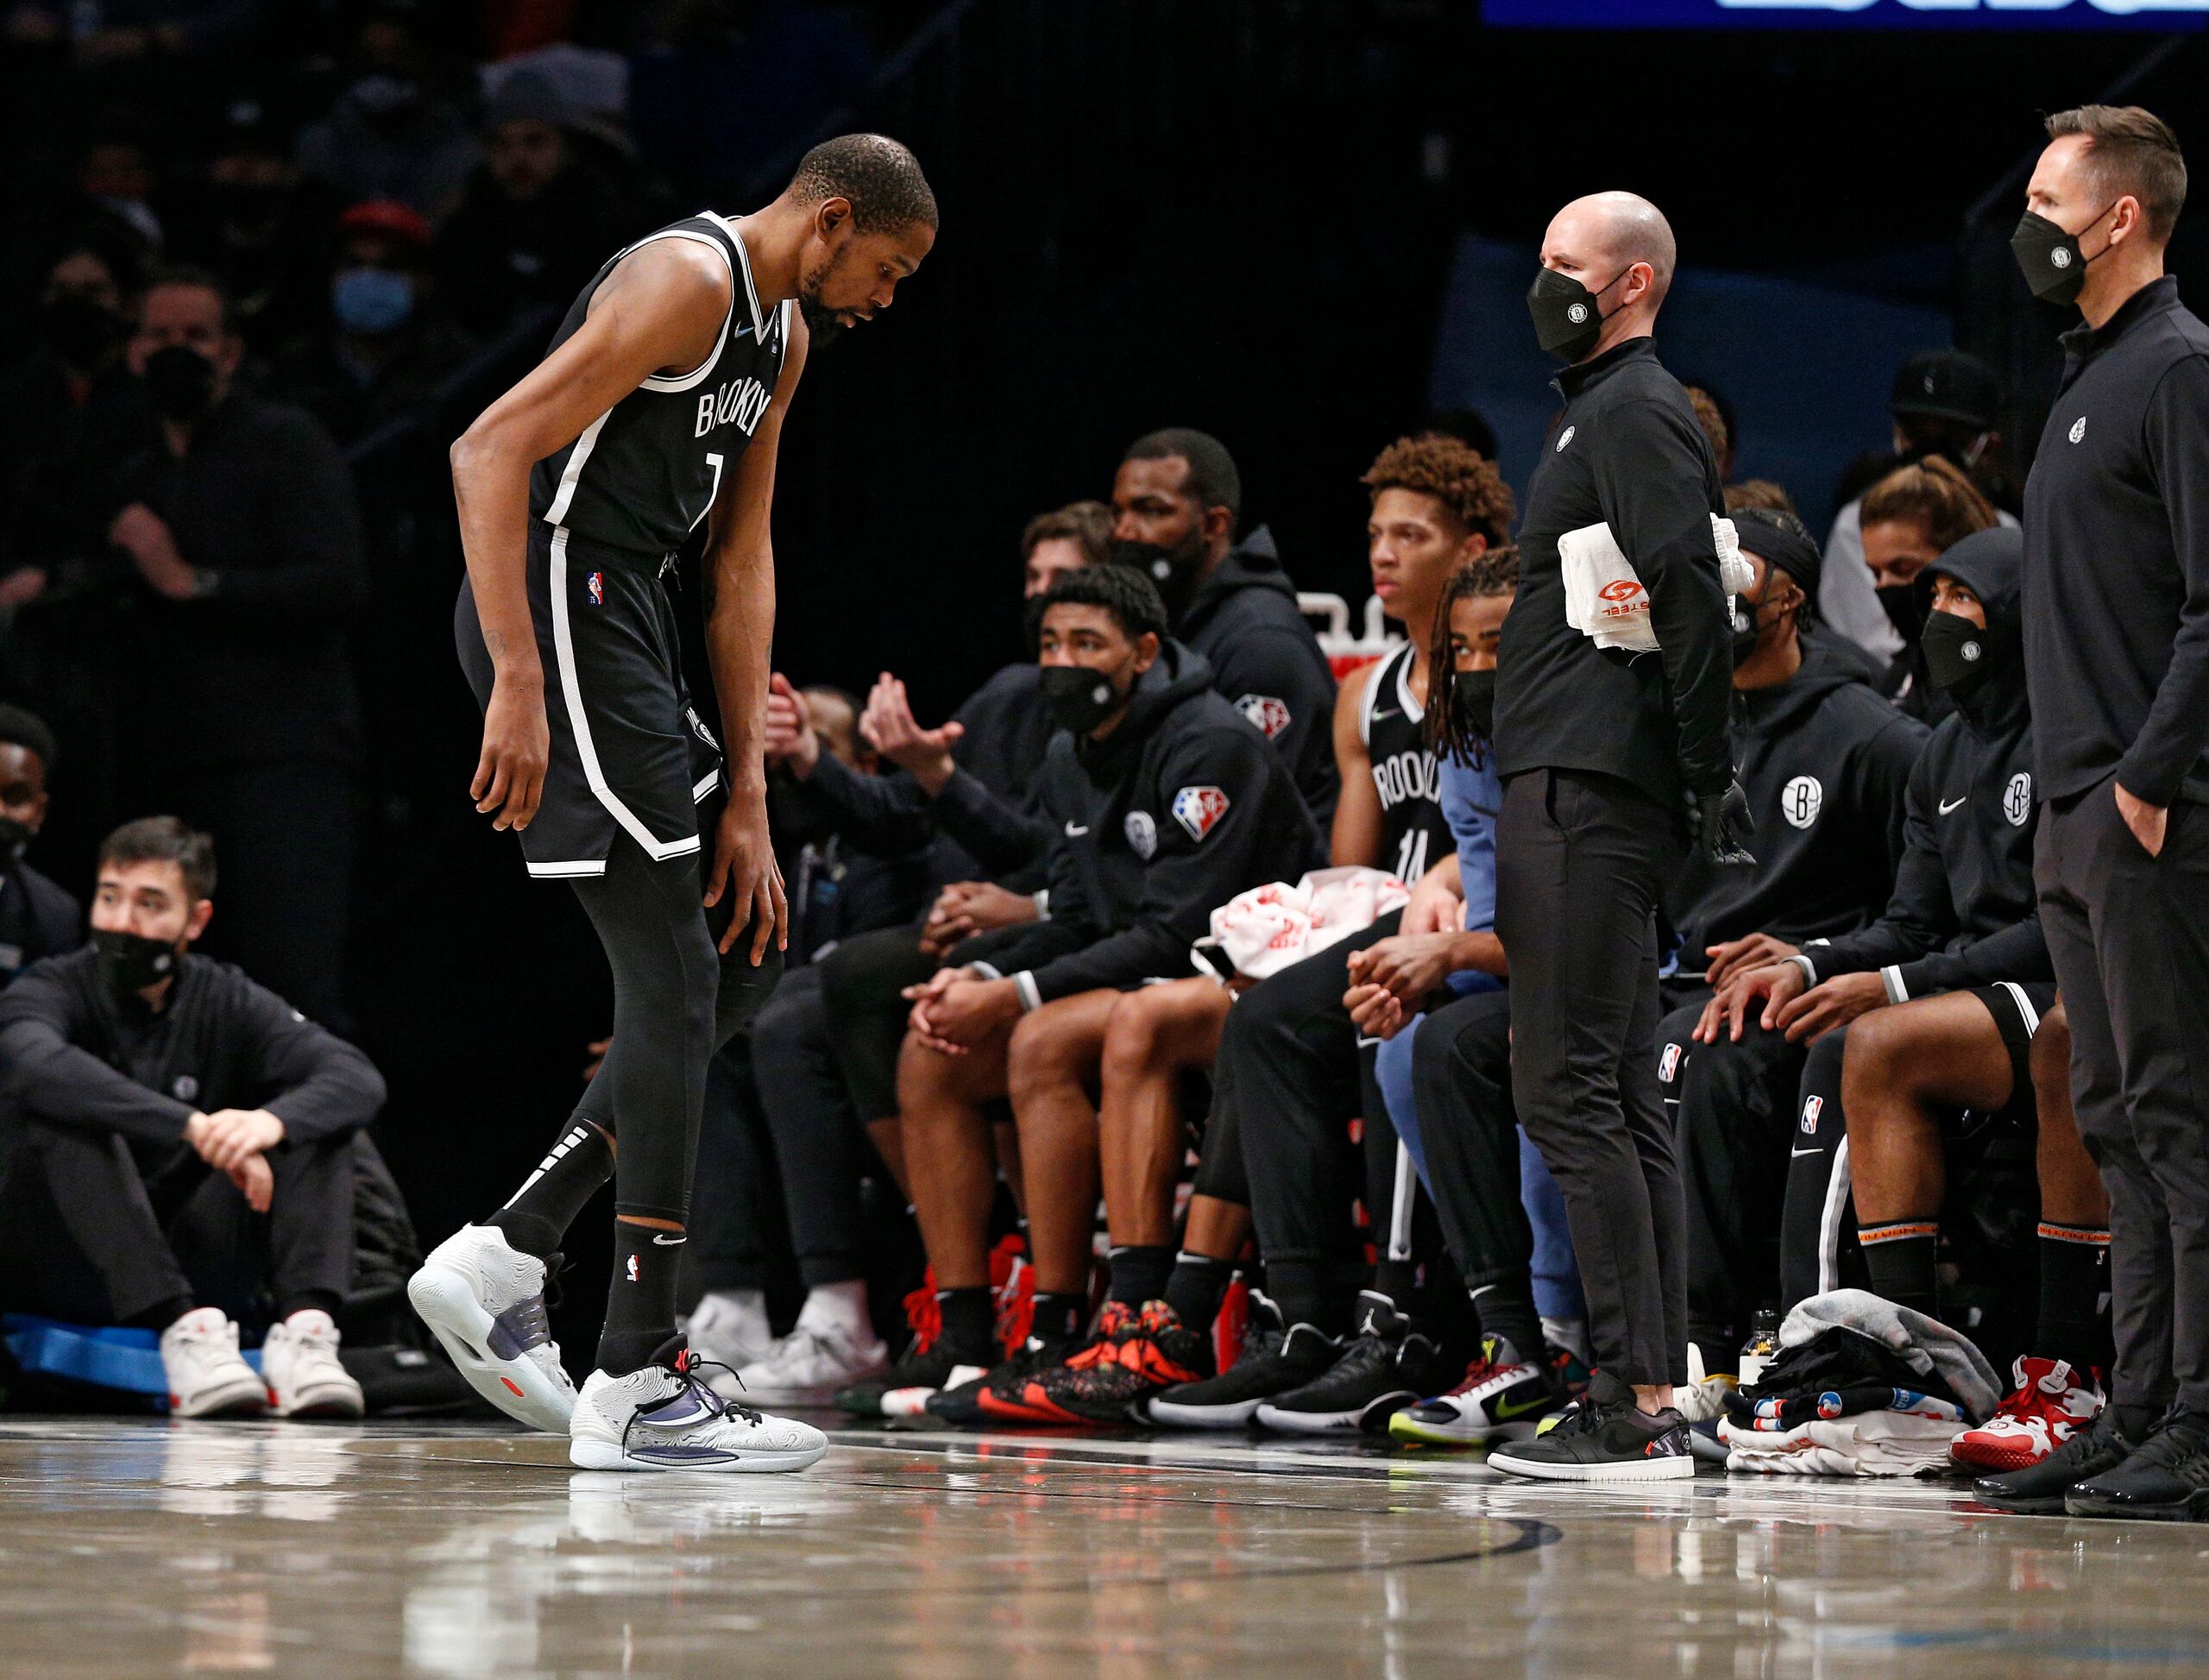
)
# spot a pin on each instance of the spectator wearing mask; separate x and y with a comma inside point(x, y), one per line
point(389, 348)
point(1178, 500)
point(37, 918)
point(538, 216)
point(264, 228)
point(188, 1157)
point(1945, 403)
point(241, 525)
point(1825, 764)
point(1910, 518)
point(1168, 805)
point(392, 134)
point(1933, 1006)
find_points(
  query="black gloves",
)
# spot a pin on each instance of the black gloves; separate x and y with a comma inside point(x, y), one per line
point(1721, 824)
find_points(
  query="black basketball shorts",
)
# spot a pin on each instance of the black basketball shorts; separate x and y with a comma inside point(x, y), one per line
point(630, 755)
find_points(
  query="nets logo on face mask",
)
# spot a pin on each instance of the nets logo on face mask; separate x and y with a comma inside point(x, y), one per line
point(2059, 258)
point(1564, 437)
point(184, 1087)
point(1141, 833)
point(2078, 429)
point(1199, 810)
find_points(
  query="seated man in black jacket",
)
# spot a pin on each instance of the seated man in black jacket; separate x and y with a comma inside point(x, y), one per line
point(188, 1142)
point(1923, 1023)
point(1825, 761)
point(37, 918)
point(1167, 805)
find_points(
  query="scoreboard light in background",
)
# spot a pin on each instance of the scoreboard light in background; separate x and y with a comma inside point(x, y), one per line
point(1859, 16)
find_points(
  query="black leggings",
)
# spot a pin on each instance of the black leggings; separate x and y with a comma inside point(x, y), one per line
point(676, 999)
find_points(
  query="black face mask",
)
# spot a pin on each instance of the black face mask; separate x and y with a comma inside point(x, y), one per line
point(1172, 569)
point(180, 382)
point(129, 962)
point(1078, 698)
point(1958, 655)
point(1904, 610)
point(15, 839)
point(1749, 632)
point(2054, 266)
point(1568, 317)
point(1472, 704)
point(81, 330)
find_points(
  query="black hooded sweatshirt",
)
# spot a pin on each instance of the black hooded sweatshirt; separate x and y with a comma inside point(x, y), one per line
point(1963, 912)
point(1177, 810)
point(1825, 761)
point(1243, 621)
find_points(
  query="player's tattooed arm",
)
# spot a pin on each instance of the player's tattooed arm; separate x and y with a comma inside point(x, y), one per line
point(739, 594)
point(661, 308)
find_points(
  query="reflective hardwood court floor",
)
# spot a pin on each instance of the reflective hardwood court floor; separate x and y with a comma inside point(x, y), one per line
point(130, 1549)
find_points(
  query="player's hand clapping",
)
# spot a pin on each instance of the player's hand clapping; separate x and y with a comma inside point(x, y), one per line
point(890, 727)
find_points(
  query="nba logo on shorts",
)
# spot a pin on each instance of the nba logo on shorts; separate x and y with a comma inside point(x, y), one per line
point(1811, 1109)
point(632, 1259)
point(595, 584)
point(1668, 1064)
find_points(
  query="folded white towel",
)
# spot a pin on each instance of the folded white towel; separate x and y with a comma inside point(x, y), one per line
point(1603, 595)
point(1265, 929)
point(1867, 1444)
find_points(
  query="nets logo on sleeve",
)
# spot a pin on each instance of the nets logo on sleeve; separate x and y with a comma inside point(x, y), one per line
point(1270, 715)
point(1199, 810)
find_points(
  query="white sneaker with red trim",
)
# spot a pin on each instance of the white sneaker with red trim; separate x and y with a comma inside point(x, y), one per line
point(2052, 1403)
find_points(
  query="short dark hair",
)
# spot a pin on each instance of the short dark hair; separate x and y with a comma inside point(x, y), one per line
point(165, 840)
point(881, 179)
point(1086, 525)
point(21, 728)
point(1455, 473)
point(1125, 593)
point(201, 279)
point(1214, 480)
point(2130, 150)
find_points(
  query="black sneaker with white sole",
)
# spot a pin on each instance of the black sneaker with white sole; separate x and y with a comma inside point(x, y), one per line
point(2039, 1489)
point(1386, 1367)
point(904, 1390)
point(1273, 1361)
point(1603, 1437)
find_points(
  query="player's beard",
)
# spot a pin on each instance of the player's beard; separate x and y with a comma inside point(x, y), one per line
point(822, 323)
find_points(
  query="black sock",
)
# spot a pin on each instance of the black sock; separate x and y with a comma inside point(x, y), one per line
point(309, 1300)
point(1195, 1288)
point(1299, 1288)
point(2137, 1423)
point(640, 1301)
point(1058, 1320)
point(160, 1315)
point(1507, 1309)
point(540, 1213)
point(2074, 1291)
point(1901, 1256)
point(1139, 1273)
point(970, 1323)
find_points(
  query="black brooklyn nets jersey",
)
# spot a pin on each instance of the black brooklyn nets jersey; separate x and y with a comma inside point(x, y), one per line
point(644, 473)
point(1413, 835)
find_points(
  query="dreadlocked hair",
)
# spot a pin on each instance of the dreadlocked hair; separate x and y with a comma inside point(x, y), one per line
point(1494, 573)
point(1455, 473)
point(1934, 493)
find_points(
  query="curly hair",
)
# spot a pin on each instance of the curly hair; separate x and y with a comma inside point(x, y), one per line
point(1454, 474)
point(1494, 573)
point(1122, 591)
point(1934, 494)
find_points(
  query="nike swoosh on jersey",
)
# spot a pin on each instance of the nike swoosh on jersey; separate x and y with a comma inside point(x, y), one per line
point(1391, 712)
point(1073, 830)
point(1948, 805)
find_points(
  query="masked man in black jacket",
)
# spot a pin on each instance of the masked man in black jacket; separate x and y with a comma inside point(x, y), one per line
point(1613, 763)
point(1824, 761)
point(1169, 804)
point(188, 1142)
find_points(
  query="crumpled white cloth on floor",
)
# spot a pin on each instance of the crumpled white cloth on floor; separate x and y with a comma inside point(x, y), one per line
point(1603, 596)
point(1265, 929)
point(1867, 1444)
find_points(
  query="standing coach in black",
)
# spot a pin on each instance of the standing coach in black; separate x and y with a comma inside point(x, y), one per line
point(1613, 763)
point(2117, 662)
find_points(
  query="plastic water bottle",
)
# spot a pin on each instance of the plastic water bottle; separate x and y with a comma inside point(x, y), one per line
point(1761, 1348)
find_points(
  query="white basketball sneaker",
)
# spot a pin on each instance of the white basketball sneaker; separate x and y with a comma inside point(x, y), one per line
point(485, 1299)
point(729, 1327)
point(306, 1379)
point(809, 1366)
point(208, 1376)
point(663, 1418)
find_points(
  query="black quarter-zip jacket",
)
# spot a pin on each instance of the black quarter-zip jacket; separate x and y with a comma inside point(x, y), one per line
point(1825, 761)
point(1627, 452)
point(1180, 808)
point(1244, 623)
point(1963, 912)
point(74, 1057)
point(2117, 557)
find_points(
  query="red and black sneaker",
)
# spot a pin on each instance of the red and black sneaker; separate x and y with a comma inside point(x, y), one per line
point(1151, 1354)
point(998, 1396)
